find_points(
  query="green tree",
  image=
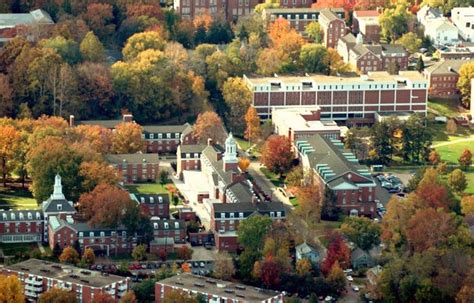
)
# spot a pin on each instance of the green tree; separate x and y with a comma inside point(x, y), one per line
point(141, 42)
point(139, 253)
point(252, 231)
point(314, 31)
point(238, 98)
point(457, 181)
point(420, 64)
point(416, 139)
point(394, 22)
point(91, 48)
point(145, 290)
point(383, 141)
point(68, 49)
point(362, 231)
point(410, 42)
point(466, 73)
point(314, 58)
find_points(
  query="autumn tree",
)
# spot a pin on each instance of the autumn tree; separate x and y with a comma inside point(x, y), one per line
point(99, 17)
point(127, 138)
point(69, 255)
point(309, 199)
point(465, 160)
point(276, 154)
point(432, 191)
point(252, 120)
point(237, 97)
point(434, 157)
point(185, 253)
point(396, 220)
point(106, 205)
point(295, 177)
point(139, 253)
point(95, 173)
point(91, 48)
point(223, 266)
point(466, 73)
point(6, 96)
point(336, 279)
point(303, 267)
point(176, 296)
point(252, 231)
point(394, 22)
point(362, 231)
point(451, 127)
point(244, 164)
point(410, 42)
point(103, 297)
point(467, 205)
point(337, 251)
point(11, 289)
point(314, 31)
point(208, 126)
point(9, 141)
point(129, 297)
point(457, 181)
point(270, 272)
point(88, 257)
point(57, 295)
point(284, 38)
point(278, 247)
point(420, 64)
point(314, 58)
point(141, 42)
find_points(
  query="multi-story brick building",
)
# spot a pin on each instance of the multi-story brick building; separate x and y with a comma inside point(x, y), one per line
point(166, 138)
point(338, 170)
point(103, 240)
point(135, 167)
point(333, 27)
point(109, 124)
point(153, 205)
point(38, 276)
point(367, 23)
point(350, 98)
point(215, 290)
point(226, 217)
point(299, 18)
point(175, 229)
point(443, 77)
point(188, 158)
point(20, 226)
point(302, 122)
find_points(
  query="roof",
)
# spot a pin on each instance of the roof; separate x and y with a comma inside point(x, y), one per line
point(79, 226)
point(249, 207)
point(360, 49)
point(192, 148)
point(66, 273)
point(220, 288)
point(165, 128)
point(442, 24)
point(163, 241)
point(295, 10)
point(36, 16)
point(167, 224)
point(357, 253)
point(366, 13)
point(21, 215)
point(132, 158)
point(103, 123)
point(328, 15)
point(151, 198)
point(349, 38)
point(445, 67)
point(57, 206)
point(301, 119)
point(304, 248)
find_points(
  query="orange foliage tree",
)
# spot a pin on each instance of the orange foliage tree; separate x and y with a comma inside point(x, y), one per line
point(9, 140)
point(208, 126)
point(95, 173)
point(337, 251)
point(244, 164)
point(276, 154)
point(127, 138)
point(285, 38)
point(253, 131)
point(103, 297)
point(69, 255)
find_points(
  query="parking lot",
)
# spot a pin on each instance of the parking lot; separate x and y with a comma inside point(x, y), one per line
point(389, 184)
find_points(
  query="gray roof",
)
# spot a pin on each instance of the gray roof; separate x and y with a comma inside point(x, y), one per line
point(192, 148)
point(172, 224)
point(58, 206)
point(305, 248)
point(66, 273)
point(223, 289)
point(357, 253)
point(104, 123)
point(157, 129)
point(151, 198)
point(248, 207)
point(132, 158)
point(305, 10)
point(349, 39)
point(36, 16)
point(360, 49)
point(329, 15)
point(56, 223)
point(163, 241)
point(445, 67)
point(21, 215)
point(393, 49)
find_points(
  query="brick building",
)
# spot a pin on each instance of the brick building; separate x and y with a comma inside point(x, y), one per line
point(175, 229)
point(165, 138)
point(339, 170)
point(299, 18)
point(135, 167)
point(333, 27)
point(153, 205)
point(103, 240)
point(226, 217)
point(350, 98)
point(443, 77)
point(109, 124)
point(302, 122)
point(38, 276)
point(188, 158)
point(21, 226)
point(215, 290)
point(367, 23)
point(162, 246)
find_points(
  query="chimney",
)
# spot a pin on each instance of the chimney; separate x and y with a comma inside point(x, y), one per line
point(128, 118)
point(71, 121)
point(209, 141)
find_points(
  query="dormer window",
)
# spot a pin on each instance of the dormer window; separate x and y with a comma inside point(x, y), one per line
point(152, 136)
point(160, 199)
point(222, 215)
point(241, 215)
point(160, 136)
point(102, 234)
point(91, 234)
point(166, 225)
point(142, 199)
point(176, 225)
point(30, 216)
point(168, 136)
point(13, 216)
point(176, 135)
point(59, 207)
point(232, 215)
point(152, 200)
point(155, 225)
point(38, 216)
point(81, 234)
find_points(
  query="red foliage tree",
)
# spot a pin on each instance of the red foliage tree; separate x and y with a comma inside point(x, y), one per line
point(99, 18)
point(337, 251)
point(270, 272)
point(276, 154)
point(149, 10)
point(102, 297)
point(431, 192)
point(465, 160)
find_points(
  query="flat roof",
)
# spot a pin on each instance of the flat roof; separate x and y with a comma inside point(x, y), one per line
point(132, 158)
point(221, 288)
point(63, 272)
point(294, 118)
point(295, 10)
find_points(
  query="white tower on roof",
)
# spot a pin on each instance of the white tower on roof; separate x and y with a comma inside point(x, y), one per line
point(230, 156)
point(58, 189)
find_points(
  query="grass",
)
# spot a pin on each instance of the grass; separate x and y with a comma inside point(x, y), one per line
point(271, 176)
point(147, 188)
point(11, 249)
point(244, 144)
point(446, 107)
point(450, 153)
point(470, 181)
point(16, 199)
point(323, 227)
point(294, 202)
point(440, 135)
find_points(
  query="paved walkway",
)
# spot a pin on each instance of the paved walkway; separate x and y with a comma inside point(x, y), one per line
point(471, 138)
point(41, 248)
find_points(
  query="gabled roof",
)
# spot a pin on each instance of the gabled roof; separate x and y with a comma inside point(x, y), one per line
point(304, 248)
point(36, 16)
point(58, 206)
point(151, 198)
point(132, 158)
point(156, 129)
point(248, 207)
point(21, 215)
point(328, 15)
point(159, 224)
point(104, 123)
point(445, 67)
point(192, 148)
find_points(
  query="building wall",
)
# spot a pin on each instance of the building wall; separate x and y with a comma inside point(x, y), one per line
point(367, 63)
point(161, 210)
point(443, 85)
point(333, 31)
point(371, 33)
point(21, 231)
point(161, 145)
point(401, 60)
point(138, 172)
point(179, 235)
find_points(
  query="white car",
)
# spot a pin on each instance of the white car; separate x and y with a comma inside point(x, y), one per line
point(355, 288)
point(349, 278)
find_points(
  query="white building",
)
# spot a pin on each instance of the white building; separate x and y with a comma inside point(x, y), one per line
point(463, 18)
point(437, 27)
point(427, 14)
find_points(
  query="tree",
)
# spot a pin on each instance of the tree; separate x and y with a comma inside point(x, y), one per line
point(176, 296)
point(314, 31)
point(6, 94)
point(465, 160)
point(329, 210)
point(105, 205)
point(252, 232)
point(139, 253)
point(420, 64)
point(185, 253)
point(467, 205)
point(129, 297)
point(57, 295)
point(451, 127)
point(91, 48)
point(434, 157)
point(9, 141)
point(285, 38)
point(244, 164)
point(270, 272)
point(88, 256)
point(57, 250)
point(145, 289)
point(310, 201)
point(99, 17)
point(11, 290)
point(68, 49)
point(362, 231)
point(276, 154)
point(238, 98)
point(295, 177)
point(466, 73)
point(252, 120)
point(393, 68)
point(127, 138)
point(141, 42)
point(103, 297)
point(69, 255)
point(223, 266)
point(336, 279)
point(303, 267)
point(394, 22)
point(416, 139)
point(432, 192)
point(314, 58)
point(208, 126)
point(95, 173)
point(457, 181)
point(411, 43)
point(337, 251)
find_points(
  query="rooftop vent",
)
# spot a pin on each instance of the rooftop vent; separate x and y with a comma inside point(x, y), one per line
point(241, 287)
point(229, 291)
point(84, 281)
point(198, 284)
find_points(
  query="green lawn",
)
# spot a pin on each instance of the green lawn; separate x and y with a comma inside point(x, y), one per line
point(450, 153)
point(271, 176)
point(470, 181)
point(146, 188)
point(16, 199)
point(11, 249)
point(244, 144)
point(440, 135)
point(446, 107)
point(294, 202)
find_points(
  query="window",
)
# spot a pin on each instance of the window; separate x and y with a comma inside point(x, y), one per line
point(59, 207)
point(91, 234)
point(168, 136)
point(152, 136)
point(166, 225)
point(232, 215)
point(81, 235)
point(222, 215)
point(241, 215)
point(102, 234)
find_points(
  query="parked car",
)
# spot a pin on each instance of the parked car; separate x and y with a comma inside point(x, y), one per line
point(349, 278)
point(355, 288)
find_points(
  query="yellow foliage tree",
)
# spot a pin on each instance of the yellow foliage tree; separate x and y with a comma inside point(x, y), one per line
point(11, 290)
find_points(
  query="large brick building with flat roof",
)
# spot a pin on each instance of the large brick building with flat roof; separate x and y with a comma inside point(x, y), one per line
point(38, 276)
point(350, 98)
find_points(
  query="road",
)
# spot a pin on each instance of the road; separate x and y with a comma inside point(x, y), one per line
point(266, 185)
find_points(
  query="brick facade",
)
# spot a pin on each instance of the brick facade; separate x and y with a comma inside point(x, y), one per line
point(135, 167)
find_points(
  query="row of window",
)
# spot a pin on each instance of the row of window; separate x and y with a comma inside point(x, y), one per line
point(298, 88)
point(102, 234)
point(160, 136)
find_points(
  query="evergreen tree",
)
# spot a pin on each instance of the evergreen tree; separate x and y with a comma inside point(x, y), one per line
point(77, 247)
point(200, 36)
point(57, 250)
point(420, 64)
